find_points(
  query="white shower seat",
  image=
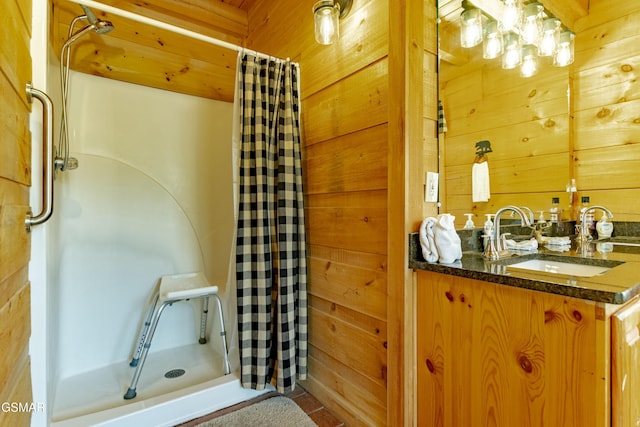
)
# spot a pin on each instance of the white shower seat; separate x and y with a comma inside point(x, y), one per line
point(175, 288)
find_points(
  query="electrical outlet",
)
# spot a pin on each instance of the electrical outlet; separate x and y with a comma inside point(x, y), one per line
point(431, 187)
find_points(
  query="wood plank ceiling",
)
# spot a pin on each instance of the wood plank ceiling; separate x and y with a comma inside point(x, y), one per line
point(146, 55)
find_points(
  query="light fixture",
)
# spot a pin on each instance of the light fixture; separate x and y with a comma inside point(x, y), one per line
point(492, 45)
point(521, 36)
point(511, 57)
point(563, 55)
point(325, 17)
point(531, 23)
point(529, 65)
point(471, 27)
point(510, 20)
point(550, 37)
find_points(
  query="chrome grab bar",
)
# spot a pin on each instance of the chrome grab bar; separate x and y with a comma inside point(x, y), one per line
point(47, 158)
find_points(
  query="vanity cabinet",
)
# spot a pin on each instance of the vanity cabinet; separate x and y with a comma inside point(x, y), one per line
point(625, 366)
point(496, 355)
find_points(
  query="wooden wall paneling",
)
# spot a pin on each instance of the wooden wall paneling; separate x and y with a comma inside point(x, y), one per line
point(608, 168)
point(215, 18)
point(568, 11)
point(15, 142)
point(520, 103)
point(15, 35)
point(142, 54)
point(162, 70)
point(15, 318)
point(354, 103)
point(20, 393)
point(609, 33)
point(430, 85)
point(355, 221)
point(354, 162)
point(612, 125)
point(603, 11)
point(530, 174)
point(359, 289)
point(212, 18)
point(14, 239)
point(528, 139)
point(363, 354)
point(624, 203)
point(609, 51)
point(15, 178)
point(369, 335)
point(607, 84)
point(360, 395)
point(15, 71)
point(540, 174)
point(366, 260)
point(413, 97)
point(363, 41)
point(137, 33)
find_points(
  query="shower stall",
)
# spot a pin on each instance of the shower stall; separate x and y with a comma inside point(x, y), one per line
point(151, 196)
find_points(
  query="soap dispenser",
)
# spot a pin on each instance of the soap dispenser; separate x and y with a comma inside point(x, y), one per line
point(488, 230)
point(604, 227)
point(541, 219)
point(469, 224)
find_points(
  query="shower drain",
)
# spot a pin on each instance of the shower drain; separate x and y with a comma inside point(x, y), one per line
point(174, 373)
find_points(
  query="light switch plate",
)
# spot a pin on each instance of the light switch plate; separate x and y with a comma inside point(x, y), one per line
point(431, 187)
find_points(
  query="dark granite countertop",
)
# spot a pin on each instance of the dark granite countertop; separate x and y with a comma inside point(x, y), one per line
point(616, 286)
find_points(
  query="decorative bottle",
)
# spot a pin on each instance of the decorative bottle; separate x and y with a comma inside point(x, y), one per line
point(555, 211)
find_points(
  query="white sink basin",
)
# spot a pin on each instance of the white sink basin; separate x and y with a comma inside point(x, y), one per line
point(558, 267)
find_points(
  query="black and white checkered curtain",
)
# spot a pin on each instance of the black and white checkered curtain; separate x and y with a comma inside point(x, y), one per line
point(271, 269)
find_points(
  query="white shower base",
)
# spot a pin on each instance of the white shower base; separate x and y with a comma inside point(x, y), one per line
point(96, 398)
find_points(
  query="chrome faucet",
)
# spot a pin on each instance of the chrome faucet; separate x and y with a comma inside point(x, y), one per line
point(584, 231)
point(529, 211)
point(494, 249)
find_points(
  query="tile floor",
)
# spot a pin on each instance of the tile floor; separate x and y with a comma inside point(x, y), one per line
point(309, 404)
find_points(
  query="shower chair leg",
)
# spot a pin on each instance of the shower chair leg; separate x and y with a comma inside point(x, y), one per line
point(131, 392)
point(143, 331)
point(203, 321)
point(223, 335)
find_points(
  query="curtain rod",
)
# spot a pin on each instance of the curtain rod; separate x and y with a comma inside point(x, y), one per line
point(170, 27)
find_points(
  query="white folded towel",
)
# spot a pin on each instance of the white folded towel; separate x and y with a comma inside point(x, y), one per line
point(427, 240)
point(558, 248)
point(480, 182)
point(556, 241)
point(525, 245)
point(447, 240)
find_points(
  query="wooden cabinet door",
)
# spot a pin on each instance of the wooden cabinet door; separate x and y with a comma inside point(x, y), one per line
point(625, 366)
point(490, 355)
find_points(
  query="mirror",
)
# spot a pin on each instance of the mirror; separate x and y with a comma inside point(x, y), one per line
point(546, 129)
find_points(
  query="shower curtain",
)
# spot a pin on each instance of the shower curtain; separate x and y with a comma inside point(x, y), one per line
point(271, 270)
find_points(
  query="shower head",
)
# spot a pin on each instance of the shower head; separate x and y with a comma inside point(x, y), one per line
point(101, 27)
point(89, 14)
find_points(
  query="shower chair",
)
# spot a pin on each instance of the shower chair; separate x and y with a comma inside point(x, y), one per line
point(171, 289)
